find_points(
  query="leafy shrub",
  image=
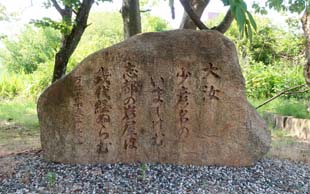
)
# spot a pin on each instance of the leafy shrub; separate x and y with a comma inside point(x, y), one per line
point(11, 86)
point(265, 81)
point(39, 80)
point(284, 106)
point(295, 109)
point(31, 47)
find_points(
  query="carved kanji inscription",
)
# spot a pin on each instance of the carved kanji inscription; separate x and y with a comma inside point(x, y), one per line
point(102, 108)
point(158, 100)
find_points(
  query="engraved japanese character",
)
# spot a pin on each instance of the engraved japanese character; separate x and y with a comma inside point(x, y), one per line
point(183, 95)
point(131, 71)
point(210, 69)
point(184, 131)
point(130, 112)
point(183, 75)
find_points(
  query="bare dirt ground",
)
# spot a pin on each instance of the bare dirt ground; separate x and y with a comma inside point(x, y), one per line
point(290, 148)
point(16, 139)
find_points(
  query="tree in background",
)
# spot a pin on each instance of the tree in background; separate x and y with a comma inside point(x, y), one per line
point(74, 14)
point(131, 17)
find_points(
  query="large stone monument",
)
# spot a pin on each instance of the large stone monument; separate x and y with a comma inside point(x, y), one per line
point(169, 97)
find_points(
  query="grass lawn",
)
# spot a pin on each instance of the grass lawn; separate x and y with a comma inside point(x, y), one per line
point(21, 113)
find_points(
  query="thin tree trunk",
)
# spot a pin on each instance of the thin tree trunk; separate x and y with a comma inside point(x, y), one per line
point(198, 6)
point(226, 22)
point(71, 40)
point(195, 11)
point(305, 20)
point(131, 17)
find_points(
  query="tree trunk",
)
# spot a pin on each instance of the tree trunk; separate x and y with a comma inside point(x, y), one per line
point(305, 20)
point(226, 22)
point(131, 17)
point(71, 40)
point(198, 7)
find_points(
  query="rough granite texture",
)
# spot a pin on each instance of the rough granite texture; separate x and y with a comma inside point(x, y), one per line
point(169, 97)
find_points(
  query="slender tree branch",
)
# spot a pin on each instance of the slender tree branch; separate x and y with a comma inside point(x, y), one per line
point(58, 8)
point(280, 94)
point(198, 7)
point(226, 22)
point(74, 11)
point(289, 93)
point(146, 10)
point(188, 8)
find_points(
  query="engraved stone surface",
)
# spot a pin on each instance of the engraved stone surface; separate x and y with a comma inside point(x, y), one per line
point(170, 97)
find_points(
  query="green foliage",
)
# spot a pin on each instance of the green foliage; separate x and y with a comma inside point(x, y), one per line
point(272, 61)
point(295, 109)
point(143, 169)
point(244, 18)
point(51, 179)
point(265, 81)
point(154, 24)
point(39, 80)
point(61, 26)
point(263, 46)
point(100, 34)
point(11, 86)
point(104, 33)
point(32, 47)
point(291, 5)
point(270, 44)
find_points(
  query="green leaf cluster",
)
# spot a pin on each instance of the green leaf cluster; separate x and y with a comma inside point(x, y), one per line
point(266, 81)
point(62, 26)
point(272, 61)
point(31, 48)
point(244, 18)
point(296, 6)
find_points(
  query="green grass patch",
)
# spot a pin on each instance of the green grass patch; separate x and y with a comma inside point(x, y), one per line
point(21, 113)
point(284, 107)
